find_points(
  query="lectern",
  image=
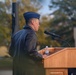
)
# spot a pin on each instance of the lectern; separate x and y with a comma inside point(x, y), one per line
point(60, 59)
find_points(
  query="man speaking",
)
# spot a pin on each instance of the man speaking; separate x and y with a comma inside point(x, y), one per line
point(26, 60)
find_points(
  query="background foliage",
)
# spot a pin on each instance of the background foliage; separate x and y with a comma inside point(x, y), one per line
point(62, 23)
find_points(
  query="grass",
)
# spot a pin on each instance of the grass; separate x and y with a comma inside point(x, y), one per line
point(5, 63)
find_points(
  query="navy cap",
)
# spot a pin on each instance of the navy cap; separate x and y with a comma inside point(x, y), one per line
point(30, 15)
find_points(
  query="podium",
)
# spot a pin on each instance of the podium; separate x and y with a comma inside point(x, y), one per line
point(60, 59)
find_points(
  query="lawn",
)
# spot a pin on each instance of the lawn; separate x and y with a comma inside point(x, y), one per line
point(5, 63)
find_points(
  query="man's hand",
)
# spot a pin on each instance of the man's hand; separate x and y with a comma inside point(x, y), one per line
point(44, 56)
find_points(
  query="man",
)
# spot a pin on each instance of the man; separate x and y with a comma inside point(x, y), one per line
point(26, 60)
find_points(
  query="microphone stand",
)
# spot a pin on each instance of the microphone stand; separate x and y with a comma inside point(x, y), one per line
point(60, 40)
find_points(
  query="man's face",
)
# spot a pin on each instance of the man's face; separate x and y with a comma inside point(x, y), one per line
point(35, 23)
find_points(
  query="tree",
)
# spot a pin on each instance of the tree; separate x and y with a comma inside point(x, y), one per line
point(6, 19)
point(46, 40)
point(64, 20)
point(24, 6)
point(4, 25)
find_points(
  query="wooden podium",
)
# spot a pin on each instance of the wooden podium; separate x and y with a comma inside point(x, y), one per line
point(60, 59)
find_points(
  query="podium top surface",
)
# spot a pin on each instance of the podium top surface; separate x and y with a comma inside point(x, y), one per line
point(60, 50)
point(64, 58)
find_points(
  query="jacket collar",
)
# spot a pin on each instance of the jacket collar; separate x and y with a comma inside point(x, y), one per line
point(28, 27)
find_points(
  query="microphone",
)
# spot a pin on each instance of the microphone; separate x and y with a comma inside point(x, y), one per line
point(56, 37)
point(52, 34)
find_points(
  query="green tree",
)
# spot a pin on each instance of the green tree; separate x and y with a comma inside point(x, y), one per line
point(4, 25)
point(64, 20)
point(44, 39)
point(6, 19)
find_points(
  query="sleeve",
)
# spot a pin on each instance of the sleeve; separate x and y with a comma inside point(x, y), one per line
point(30, 46)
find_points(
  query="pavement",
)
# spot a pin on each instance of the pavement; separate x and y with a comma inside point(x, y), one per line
point(5, 72)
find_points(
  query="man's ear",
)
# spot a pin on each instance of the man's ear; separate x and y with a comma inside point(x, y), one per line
point(32, 21)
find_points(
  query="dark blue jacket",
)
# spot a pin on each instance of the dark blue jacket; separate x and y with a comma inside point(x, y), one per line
point(24, 42)
point(26, 60)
